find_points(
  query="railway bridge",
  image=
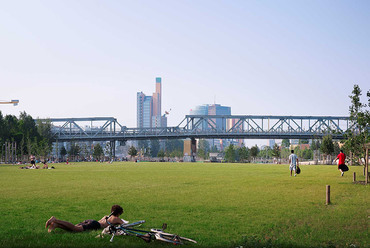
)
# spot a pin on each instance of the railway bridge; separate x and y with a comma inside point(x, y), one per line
point(203, 127)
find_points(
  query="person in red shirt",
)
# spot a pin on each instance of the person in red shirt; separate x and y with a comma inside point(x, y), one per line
point(341, 164)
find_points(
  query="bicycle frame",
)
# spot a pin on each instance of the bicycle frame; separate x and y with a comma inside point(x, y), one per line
point(147, 236)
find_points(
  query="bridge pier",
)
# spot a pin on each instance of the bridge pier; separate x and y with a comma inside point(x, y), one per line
point(193, 149)
point(112, 149)
point(190, 150)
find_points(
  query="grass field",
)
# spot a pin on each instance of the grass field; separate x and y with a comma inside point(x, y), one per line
point(219, 205)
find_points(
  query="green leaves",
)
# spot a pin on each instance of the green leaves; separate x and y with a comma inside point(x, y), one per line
point(327, 146)
point(358, 135)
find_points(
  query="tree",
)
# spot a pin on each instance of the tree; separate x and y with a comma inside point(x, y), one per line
point(276, 151)
point(74, 150)
point(243, 153)
point(161, 154)
point(174, 145)
point(336, 148)
point(315, 145)
point(214, 149)
point(285, 143)
point(254, 151)
point(154, 147)
point(63, 152)
point(327, 146)
point(107, 150)
point(307, 154)
point(84, 151)
point(203, 149)
point(30, 137)
point(230, 153)
point(358, 135)
point(132, 151)
point(98, 151)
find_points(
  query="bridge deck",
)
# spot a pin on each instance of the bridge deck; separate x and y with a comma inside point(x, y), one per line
point(204, 126)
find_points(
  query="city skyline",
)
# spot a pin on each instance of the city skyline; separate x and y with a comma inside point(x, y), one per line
point(90, 58)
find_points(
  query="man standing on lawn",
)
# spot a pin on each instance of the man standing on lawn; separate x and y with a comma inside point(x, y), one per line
point(293, 160)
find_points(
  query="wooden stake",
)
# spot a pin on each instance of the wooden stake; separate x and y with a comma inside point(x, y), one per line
point(367, 166)
point(354, 176)
point(327, 194)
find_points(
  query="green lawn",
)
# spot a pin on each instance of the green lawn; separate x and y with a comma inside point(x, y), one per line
point(219, 205)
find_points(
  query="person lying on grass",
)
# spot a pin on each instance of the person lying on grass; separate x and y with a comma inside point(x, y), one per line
point(116, 210)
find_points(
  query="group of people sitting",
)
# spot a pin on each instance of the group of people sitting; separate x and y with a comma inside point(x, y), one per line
point(34, 166)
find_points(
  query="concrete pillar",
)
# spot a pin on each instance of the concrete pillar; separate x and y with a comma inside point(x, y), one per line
point(193, 149)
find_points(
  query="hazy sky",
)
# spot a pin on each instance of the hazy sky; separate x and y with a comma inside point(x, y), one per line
point(90, 58)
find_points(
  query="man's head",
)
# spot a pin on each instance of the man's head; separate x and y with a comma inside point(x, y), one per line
point(116, 210)
point(292, 151)
point(341, 151)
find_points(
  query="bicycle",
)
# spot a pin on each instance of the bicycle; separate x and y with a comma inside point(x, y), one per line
point(147, 236)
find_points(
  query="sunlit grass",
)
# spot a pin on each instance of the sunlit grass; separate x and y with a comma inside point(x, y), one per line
point(219, 205)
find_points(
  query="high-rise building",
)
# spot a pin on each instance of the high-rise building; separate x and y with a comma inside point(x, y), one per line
point(149, 112)
point(212, 109)
point(140, 109)
point(216, 109)
point(157, 101)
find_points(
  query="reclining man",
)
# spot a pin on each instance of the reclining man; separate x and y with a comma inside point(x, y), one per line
point(116, 210)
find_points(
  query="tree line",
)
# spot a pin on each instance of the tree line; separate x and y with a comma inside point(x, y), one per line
point(24, 136)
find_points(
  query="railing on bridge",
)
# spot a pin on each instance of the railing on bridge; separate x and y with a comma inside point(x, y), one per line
point(204, 126)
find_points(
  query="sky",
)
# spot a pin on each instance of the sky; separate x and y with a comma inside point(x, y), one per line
point(77, 58)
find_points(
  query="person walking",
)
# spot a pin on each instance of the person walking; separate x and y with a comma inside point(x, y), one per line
point(293, 160)
point(341, 164)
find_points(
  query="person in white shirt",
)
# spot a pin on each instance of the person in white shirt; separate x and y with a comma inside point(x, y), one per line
point(293, 160)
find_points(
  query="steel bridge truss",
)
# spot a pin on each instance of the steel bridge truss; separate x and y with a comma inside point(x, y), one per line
point(267, 127)
point(204, 126)
point(85, 129)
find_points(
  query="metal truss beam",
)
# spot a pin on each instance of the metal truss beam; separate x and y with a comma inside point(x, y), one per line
point(204, 126)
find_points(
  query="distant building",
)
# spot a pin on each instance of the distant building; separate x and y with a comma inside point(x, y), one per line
point(271, 143)
point(149, 114)
point(212, 109)
point(216, 109)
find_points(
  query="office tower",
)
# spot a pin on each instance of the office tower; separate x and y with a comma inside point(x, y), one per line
point(140, 109)
point(149, 114)
point(213, 109)
point(144, 110)
point(157, 101)
point(147, 111)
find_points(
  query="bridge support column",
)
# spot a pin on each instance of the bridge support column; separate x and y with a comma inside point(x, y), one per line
point(190, 149)
point(193, 149)
point(112, 149)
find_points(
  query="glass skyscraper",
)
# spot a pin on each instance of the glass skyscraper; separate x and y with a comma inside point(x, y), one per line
point(149, 112)
point(212, 109)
